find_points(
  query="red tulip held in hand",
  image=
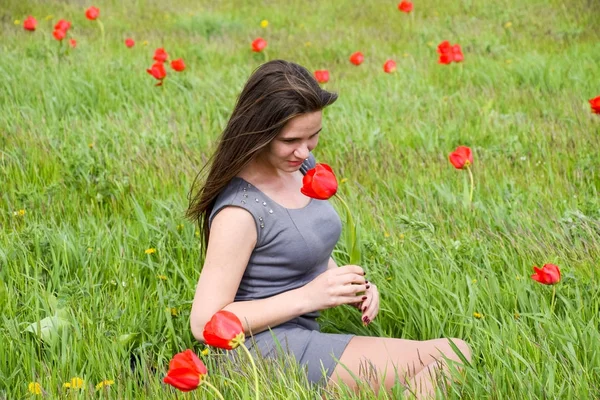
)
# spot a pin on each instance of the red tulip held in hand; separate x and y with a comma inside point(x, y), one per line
point(158, 71)
point(186, 371)
point(224, 330)
point(461, 157)
point(549, 274)
point(178, 65)
point(129, 42)
point(389, 66)
point(357, 58)
point(405, 6)
point(259, 45)
point(92, 13)
point(160, 55)
point(319, 183)
point(30, 23)
point(322, 75)
point(62, 25)
point(595, 103)
point(59, 34)
point(73, 43)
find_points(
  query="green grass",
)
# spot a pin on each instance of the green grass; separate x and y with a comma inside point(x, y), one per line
point(101, 161)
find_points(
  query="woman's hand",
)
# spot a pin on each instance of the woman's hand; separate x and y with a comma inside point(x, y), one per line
point(370, 306)
point(336, 286)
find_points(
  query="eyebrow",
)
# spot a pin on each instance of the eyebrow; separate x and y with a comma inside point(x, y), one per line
point(293, 137)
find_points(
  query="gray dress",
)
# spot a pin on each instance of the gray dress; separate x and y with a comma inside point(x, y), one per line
point(293, 247)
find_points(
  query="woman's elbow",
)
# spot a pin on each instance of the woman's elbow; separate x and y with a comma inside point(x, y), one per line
point(197, 327)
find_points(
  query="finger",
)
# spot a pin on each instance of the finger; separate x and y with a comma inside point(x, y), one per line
point(351, 269)
point(353, 279)
point(357, 290)
point(366, 304)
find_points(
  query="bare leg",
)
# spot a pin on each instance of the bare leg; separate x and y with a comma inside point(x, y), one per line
point(382, 361)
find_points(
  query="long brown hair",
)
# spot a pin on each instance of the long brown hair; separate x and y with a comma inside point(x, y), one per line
point(276, 92)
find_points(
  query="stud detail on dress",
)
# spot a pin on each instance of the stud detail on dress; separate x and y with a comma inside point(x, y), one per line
point(256, 200)
point(243, 201)
point(260, 219)
point(264, 203)
point(262, 225)
point(270, 211)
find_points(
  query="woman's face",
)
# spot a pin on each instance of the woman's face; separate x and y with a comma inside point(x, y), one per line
point(295, 141)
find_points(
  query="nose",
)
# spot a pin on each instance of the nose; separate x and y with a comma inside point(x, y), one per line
point(302, 152)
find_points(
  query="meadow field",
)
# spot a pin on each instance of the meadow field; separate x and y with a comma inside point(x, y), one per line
point(98, 265)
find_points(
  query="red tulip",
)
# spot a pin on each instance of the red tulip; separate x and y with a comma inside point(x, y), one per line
point(549, 274)
point(178, 65)
point(62, 25)
point(357, 58)
point(160, 55)
point(186, 371)
point(259, 45)
point(322, 75)
point(224, 330)
point(319, 183)
point(405, 6)
point(461, 157)
point(595, 103)
point(389, 66)
point(92, 13)
point(457, 53)
point(158, 71)
point(59, 34)
point(449, 53)
point(129, 42)
point(73, 43)
point(30, 23)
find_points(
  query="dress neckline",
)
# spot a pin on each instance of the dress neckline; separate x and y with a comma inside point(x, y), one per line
point(273, 201)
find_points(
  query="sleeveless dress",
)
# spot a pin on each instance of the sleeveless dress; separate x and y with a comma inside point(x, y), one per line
point(293, 247)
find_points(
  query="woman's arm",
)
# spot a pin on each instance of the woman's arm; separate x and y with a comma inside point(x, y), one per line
point(232, 239)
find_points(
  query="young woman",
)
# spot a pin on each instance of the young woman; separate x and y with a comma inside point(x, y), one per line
point(268, 246)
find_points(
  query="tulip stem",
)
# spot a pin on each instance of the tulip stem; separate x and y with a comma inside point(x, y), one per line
point(352, 246)
point(254, 368)
point(472, 183)
point(101, 25)
point(219, 395)
point(553, 298)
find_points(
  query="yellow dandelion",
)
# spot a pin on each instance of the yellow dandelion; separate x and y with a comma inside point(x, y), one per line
point(162, 277)
point(179, 227)
point(91, 145)
point(205, 352)
point(517, 315)
point(174, 312)
point(508, 24)
point(197, 233)
point(89, 249)
point(20, 213)
point(75, 383)
point(477, 315)
point(264, 23)
point(474, 281)
point(386, 234)
point(34, 388)
point(401, 236)
point(307, 44)
point(344, 180)
point(151, 250)
point(145, 43)
point(106, 382)
point(17, 22)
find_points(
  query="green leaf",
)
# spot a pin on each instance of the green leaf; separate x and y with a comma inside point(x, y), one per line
point(49, 328)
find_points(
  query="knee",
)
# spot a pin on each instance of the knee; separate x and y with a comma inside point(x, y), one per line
point(462, 347)
point(450, 348)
